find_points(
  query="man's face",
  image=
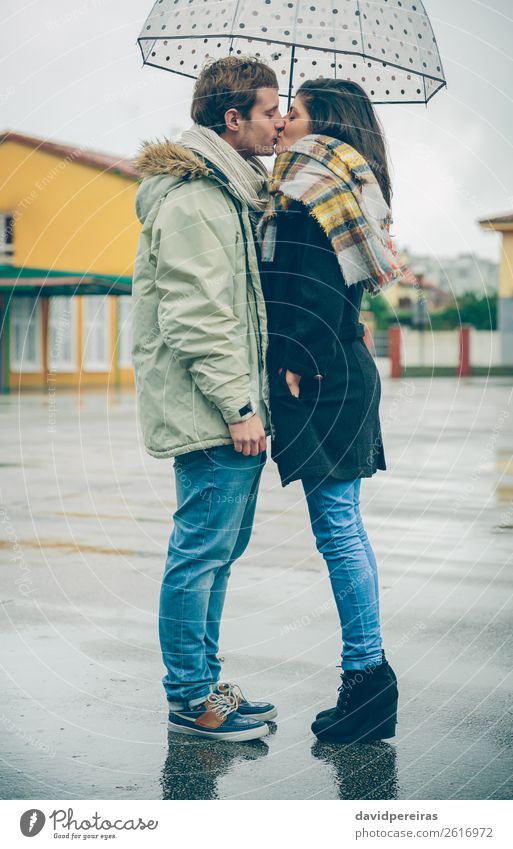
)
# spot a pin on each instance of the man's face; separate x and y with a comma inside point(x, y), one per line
point(258, 134)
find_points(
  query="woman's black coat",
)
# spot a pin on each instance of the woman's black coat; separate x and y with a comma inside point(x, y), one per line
point(333, 428)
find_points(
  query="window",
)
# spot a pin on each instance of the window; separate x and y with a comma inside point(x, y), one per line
point(124, 303)
point(25, 334)
point(61, 334)
point(96, 333)
point(404, 303)
point(6, 237)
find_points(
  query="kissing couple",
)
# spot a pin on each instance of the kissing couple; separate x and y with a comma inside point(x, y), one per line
point(247, 292)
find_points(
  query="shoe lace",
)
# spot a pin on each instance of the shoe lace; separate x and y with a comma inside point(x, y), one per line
point(222, 704)
point(344, 692)
point(233, 690)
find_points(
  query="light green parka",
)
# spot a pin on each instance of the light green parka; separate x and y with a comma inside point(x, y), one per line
point(199, 336)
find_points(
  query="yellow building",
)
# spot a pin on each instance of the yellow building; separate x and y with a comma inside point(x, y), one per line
point(504, 224)
point(68, 238)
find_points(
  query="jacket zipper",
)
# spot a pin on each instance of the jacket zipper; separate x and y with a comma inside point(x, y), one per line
point(263, 365)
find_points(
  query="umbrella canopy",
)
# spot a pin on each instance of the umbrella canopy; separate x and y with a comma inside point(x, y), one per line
point(387, 46)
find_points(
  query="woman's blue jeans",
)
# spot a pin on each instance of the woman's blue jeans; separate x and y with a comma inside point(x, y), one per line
point(334, 508)
point(216, 491)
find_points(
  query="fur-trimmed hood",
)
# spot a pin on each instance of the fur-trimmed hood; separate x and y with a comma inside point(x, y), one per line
point(162, 164)
point(167, 157)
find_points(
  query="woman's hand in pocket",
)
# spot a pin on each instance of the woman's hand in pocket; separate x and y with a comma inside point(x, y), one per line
point(293, 380)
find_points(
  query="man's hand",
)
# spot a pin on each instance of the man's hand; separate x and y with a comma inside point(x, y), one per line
point(249, 436)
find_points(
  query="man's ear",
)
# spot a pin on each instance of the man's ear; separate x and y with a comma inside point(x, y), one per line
point(232, 119)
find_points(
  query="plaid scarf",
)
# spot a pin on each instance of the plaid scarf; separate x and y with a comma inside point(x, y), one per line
point(341, 192)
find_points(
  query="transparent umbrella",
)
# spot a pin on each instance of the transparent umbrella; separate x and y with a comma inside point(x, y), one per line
point(387, 46)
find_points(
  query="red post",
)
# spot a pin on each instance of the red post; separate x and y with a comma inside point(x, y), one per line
point(394, 351)
point(464, 368)
point(369, 340)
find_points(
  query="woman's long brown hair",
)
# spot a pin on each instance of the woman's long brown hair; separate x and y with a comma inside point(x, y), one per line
point(342, 109)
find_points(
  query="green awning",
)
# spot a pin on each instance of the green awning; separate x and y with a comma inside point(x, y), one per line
point(45, 282)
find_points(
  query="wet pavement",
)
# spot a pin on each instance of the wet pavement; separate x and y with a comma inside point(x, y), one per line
point(85, 517)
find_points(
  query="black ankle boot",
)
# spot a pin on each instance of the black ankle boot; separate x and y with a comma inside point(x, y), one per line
point(330, 710)
point(366, 708)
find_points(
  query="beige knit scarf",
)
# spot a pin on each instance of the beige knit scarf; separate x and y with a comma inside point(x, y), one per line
point(247, 177)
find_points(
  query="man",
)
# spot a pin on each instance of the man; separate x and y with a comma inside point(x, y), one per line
point(199, 347)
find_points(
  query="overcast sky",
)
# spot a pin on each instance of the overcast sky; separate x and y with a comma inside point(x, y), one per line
point(72, 72)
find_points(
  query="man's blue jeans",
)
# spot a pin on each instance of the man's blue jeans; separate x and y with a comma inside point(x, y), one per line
point(334, 508)
point(216, 493)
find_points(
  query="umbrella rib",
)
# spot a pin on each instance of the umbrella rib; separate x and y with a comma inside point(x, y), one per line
point(291, 76)
point(443, 84)
point(232, 35)
point(361, 28)
point(442, 72)
point(419, 50)
point(292, 57)
point(140, 43)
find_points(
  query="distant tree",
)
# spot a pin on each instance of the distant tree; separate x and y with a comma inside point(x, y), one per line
point(478, 311)
point(380, 309)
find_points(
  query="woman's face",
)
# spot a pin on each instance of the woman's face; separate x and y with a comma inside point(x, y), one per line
point(297, 125)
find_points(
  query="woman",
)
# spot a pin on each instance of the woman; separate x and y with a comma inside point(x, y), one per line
point(325, 233)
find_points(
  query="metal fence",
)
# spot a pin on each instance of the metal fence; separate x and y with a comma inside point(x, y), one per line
point(380, 340)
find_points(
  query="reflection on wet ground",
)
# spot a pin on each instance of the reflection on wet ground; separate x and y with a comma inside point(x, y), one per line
point(361, 771)
point(193, 767)
point(85, 519)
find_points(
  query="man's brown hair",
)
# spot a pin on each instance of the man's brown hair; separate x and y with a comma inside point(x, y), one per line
point(229, 83)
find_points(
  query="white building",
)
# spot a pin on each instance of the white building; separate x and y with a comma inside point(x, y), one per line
point(457, 275)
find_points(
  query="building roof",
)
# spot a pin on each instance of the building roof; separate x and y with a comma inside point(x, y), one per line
point(410, 279)
point(498, 222)
point(101, 161)
point(21, 280)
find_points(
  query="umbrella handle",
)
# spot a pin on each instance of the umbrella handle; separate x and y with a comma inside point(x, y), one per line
point(291, 76)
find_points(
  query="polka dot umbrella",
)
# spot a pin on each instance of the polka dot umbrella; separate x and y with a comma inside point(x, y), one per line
point(388, 46)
